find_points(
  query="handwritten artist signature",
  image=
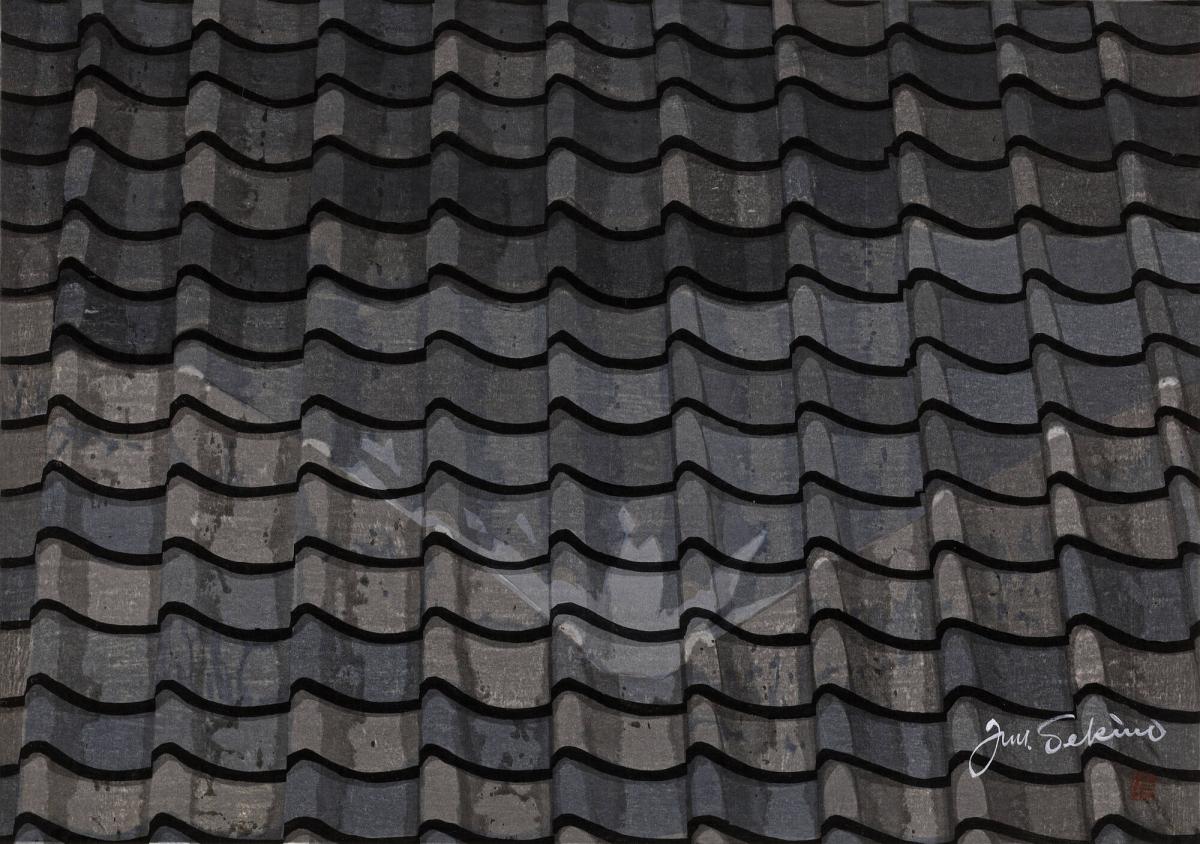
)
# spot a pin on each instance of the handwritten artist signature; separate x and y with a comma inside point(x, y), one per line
point(1053, 742)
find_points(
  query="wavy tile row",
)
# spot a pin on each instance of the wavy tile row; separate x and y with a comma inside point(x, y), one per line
point(598, 421)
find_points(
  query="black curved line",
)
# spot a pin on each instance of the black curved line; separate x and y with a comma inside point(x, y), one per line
point(195, 549)
point(882, 637)
point(1019, 81)
point(436, 685)
point(570, 685)
point(215, 217)
point(13, 40)
point(66, 331)
point(348, 29)
point(439, 539)
point(187, 546)
point(577, 347)
point(81, 701)
point(1120, 496)
point(562, 275)
point(331, 405)
point(16, 563)
point(904, 29)
point(195, 763)
point(1142, 43)
point(814, 88)
point(79, 205)
point(565, 405)
point(464, 625)
point(931, 149)
point(508, 775)
point(843, 823)
point(582, 756)
point(1131, 640)
point(447, 205)
point(100, 74)
point(695, 39)
point(365, 95)
point(1000, 828)
point(461, 833)
point(190, 402)
point(221, 147)
point(65, 534)
point(183, 402)
point(793, 30)
point(31, 228)
point(78, 479)
point(740, 833)
point(451, 141)
point(704, 750)
point(299, 757)
point(324, 272)
point(1185, 101)
point(917, 84)
point(836, 757)
point(327, 205)
point(175, 826)
point(594, 555)
point(483, 484)
point(609, 488)
point(700, 545)
point(338, 143)
point(462, 28)
point(580, 87)
point(896, 30)
point(225, 288)
point(327, 548)
point(179, 609)
point(340, 699)
point(570, 30)
point(1084, 544)
point(1069, 541)
point(1133, 828)
point(226, 34)
point(448, 690)
point(245, 93)
point(345, 484)
point(72, 271)
point(33, 159)
point(349, 348)
point(230, 349)
point(31, 359)
point(307, 823)
point(535, 426)
point(989, 426)
point(1021, 775)
point(712, 98)
point(969, 691)
point(559, 274)
point(57, 832)
point(773, 711)
point(1178, 221)
point(598, 832)
point(594, 619)
point(570, 753)
point(1015, 31)
point(59, 98)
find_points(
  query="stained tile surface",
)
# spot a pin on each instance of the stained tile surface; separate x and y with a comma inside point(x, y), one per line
point(599, 421)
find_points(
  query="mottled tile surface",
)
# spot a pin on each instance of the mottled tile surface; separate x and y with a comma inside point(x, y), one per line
point(599, 421)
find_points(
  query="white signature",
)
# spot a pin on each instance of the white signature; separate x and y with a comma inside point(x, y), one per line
point(1053, 743)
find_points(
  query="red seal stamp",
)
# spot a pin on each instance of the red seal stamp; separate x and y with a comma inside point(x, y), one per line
point(1142, 786)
